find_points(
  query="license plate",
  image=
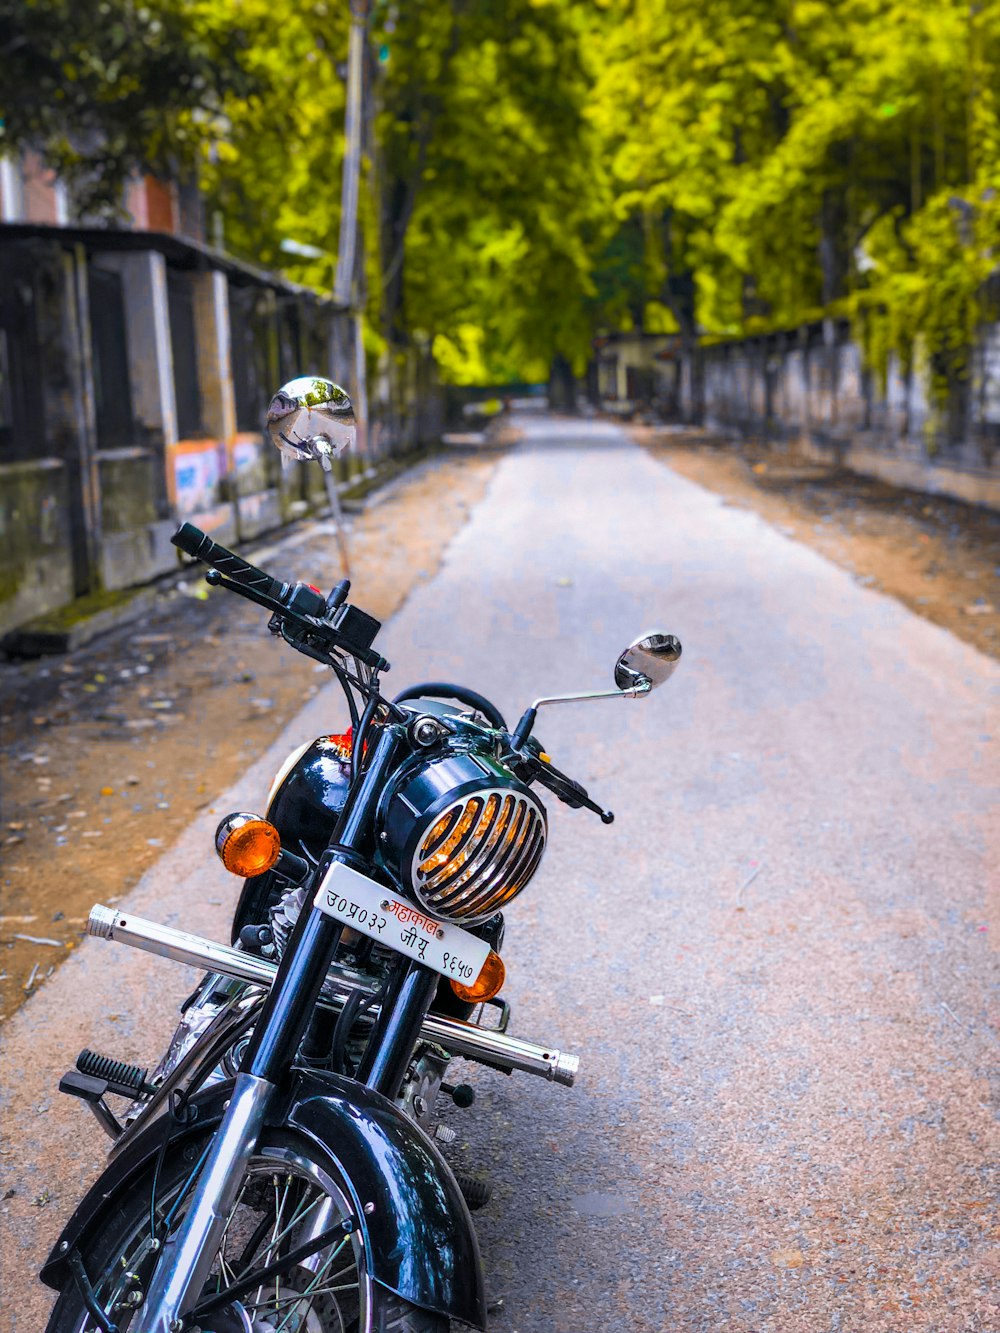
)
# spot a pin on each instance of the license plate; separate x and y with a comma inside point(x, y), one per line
point(365, 906)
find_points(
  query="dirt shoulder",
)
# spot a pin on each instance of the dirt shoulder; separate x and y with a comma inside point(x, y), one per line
point(109, 752)
point(940, 557)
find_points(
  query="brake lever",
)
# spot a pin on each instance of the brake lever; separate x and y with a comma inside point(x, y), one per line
point(607, 816)
point(558, 782)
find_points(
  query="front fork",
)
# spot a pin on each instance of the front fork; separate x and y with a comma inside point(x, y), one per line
point(188, 1255)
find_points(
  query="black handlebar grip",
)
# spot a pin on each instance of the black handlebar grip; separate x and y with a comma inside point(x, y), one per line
point(197, 543)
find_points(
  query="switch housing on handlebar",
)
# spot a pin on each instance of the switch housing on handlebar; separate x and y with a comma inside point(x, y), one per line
point(302, 616)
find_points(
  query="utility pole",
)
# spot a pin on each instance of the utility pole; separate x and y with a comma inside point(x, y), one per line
point(343, 291)
point(344, 287)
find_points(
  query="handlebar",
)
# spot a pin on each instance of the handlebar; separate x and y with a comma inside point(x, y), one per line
point(198, 544)
point(322, 628)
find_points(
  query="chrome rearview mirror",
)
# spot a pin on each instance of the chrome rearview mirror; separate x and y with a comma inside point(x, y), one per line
point(311, 418)
point(651, 657)
point(647, 662)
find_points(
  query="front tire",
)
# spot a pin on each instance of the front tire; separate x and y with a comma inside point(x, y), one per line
point(285, 1198)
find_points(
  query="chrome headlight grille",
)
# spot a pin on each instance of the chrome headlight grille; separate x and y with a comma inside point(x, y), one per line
point(461, 835)
point(478, 854)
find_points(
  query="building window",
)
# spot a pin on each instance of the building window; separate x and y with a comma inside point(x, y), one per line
point(22, 423)
point(184, 346)
point(251, 334)
point(108, 338)
point(6, 397)
point(289, 341)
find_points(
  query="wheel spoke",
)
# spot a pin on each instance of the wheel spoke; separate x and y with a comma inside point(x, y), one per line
point(281, 1202)
point(278, 1207)
point(313, 1290)
point(247, 1257)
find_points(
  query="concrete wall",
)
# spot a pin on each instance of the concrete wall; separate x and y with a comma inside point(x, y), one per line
point(810, 387)
point(36, 560)
point(77, 518)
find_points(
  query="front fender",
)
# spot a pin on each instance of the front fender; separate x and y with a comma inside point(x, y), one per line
point(419, 1237)
point(422, 1242)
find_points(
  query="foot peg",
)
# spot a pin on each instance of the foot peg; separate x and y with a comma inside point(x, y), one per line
point(97, 1075)
point(125, 1080)
point(476, 1193)
point(462, 1096)
point(92, 1090)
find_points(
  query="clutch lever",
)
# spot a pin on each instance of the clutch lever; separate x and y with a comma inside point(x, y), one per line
point(296, 626)
point(216, 580)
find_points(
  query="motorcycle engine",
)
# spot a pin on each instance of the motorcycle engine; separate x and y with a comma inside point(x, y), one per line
point(366, 966)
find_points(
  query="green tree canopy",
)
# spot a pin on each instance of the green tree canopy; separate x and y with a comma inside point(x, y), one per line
point(106, 89)
point(495, 192)
point(539, 171)
point(811, 157)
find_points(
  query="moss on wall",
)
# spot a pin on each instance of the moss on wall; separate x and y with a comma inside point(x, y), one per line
point(127, 493)
point(36, 571)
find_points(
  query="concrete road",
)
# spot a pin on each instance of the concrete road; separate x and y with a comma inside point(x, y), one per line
point(776, 964)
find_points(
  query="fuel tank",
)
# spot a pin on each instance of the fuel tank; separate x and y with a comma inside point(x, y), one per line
point(307, 796)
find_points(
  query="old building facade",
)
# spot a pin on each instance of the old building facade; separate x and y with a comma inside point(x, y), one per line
point(135, 366)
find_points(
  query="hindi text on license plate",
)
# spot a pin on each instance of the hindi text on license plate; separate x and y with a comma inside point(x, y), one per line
point(367, 907)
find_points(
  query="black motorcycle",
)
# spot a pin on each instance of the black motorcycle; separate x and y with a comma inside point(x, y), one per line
point(281, 1170)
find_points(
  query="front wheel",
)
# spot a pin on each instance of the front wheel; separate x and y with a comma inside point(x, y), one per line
point(285, 1200)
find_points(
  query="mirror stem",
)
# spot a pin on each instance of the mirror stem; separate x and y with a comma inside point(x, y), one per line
point(336, 514)
point(523, 729)
point(642, 686)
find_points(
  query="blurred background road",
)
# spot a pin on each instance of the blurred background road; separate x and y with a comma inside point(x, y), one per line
point(776, 965)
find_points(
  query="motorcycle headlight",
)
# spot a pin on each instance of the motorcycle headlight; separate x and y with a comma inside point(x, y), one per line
point(462, 835)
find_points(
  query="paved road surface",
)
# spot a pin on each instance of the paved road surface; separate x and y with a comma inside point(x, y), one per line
point(776, 965)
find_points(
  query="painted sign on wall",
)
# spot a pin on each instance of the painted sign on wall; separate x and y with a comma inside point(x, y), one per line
point(198, 468)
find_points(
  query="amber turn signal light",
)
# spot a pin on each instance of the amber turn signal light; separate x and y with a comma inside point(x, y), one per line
point(247, 845)
point(490, 981)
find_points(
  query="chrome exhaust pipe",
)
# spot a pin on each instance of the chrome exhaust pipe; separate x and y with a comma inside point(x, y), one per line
point(466, 1039)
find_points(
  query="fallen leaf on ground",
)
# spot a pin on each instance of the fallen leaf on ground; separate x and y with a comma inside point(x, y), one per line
point(787, 1259)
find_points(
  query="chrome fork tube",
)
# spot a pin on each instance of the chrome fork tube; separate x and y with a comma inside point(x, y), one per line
point(188, 1255)
point(187, 1259)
